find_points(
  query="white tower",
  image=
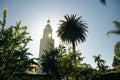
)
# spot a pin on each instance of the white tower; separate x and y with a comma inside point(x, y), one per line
point(46, 43)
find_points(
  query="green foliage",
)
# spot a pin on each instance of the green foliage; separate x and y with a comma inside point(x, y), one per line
point(70, 63)
point(100, 64)
point(116, 31)
point(116, 63)
point(62, 63)
point(117, 50)
point(14, 56)
point(51, 61)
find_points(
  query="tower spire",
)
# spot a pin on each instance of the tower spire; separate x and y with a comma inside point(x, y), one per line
point(48, 22)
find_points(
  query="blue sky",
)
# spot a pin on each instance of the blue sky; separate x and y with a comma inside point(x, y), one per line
point(35, 13)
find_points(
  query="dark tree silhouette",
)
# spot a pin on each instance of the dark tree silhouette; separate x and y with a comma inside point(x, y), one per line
point(100, 63)
point(117, 30)
point(14, 56)
point(117, 50)
point(72, 30)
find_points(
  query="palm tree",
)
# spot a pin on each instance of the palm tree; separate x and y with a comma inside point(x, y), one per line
point(72, 30)
point(117, 30)
point(117, 45)
point(100, 62)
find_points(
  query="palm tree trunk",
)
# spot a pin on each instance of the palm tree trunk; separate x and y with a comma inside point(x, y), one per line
point(67, 78)
point(73, 44)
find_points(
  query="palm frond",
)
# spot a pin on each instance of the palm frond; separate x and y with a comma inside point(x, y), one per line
point(103, 2)
point(117, 24)
point(117, 32)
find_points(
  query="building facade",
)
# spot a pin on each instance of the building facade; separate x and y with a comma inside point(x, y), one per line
point(46, 44)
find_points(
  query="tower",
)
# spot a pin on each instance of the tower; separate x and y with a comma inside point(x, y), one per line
point(46, 43)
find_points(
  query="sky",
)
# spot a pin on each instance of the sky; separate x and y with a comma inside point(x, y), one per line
point(35, 13)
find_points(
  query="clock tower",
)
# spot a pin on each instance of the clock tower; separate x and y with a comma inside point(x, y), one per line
point(46, 43)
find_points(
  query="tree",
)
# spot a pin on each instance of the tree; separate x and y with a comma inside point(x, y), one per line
point(100, 63)
point(116, 61)
point(50, 62)
point(117, 45)
point(117, 50)
point(117, 30)
point(71, 63)
point(61, 63)
point(86, 72)
point(14, 56)
point(72, 30)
